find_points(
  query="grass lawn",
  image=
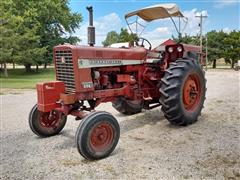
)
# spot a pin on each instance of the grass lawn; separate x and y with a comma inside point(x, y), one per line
point(19, 79)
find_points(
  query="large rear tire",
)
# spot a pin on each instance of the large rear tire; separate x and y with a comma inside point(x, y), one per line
point(183, 92)
point(45, 124)
point(127, 107)
point(97, 135)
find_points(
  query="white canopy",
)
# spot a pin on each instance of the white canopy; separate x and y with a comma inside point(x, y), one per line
point(159, 11)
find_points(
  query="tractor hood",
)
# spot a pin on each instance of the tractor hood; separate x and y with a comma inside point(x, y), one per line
point(104, 52)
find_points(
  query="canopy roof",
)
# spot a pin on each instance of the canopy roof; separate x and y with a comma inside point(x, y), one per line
point(159, 11)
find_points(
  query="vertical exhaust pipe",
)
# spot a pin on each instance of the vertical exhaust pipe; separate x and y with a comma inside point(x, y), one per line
point(91, 28)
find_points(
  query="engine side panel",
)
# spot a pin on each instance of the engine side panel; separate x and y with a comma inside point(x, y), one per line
point(85, 59)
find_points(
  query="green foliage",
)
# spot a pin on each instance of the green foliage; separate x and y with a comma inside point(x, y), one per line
point(112, 37)
point(57, 23)
point(187, 39)
point(7, 25)
point(220, 44)
point(123, 36)
point(216, 44)
point(31, 29)
point(232, 47)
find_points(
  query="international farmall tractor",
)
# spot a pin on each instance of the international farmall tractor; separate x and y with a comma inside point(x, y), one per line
point(131, 78)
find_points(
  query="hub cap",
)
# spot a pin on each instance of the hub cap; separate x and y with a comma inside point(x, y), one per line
point(101, 137)
point(191, 92)
point(49, 119)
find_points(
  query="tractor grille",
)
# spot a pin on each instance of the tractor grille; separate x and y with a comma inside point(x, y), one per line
point(64, 69)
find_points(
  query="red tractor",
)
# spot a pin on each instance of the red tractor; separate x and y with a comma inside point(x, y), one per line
point(133, 79)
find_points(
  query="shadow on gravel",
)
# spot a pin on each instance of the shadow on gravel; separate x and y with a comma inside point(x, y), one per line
point(69, 140)
point(130, 123)
point(146, 118)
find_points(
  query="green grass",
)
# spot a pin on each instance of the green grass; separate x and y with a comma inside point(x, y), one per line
point(19, 79)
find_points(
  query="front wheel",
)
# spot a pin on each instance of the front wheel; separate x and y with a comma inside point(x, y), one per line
point(97, 135)
point(183, 92)
point(45, 124)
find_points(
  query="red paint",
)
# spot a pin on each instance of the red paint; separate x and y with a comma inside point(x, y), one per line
point(101, 136)
point(191, 92)
point(49, 119)
point(190, 47)
point(104, 84)
point(48, 94)
point(166, 43)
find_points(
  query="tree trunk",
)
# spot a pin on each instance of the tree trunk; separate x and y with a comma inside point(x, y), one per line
point(45, 65)
point(5, 70)
point(36, 68)
point(13, 65)
point(214, 63)
point(232, 63)
point(28, 67)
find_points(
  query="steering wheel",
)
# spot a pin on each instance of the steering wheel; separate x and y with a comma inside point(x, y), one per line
point(142, 40)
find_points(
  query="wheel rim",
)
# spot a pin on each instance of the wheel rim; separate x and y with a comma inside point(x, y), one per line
point(101, 137)
point(49, 119)
point(191, 92)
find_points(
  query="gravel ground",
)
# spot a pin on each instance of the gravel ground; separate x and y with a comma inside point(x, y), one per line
point(149, 147)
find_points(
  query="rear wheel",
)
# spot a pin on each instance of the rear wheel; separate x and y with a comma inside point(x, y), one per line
point(183, 92)
point(97, 135)
point(127, 107)
point(45, 124)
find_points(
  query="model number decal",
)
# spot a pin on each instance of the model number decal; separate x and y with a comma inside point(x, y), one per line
point(87, 84)
point(89, 63)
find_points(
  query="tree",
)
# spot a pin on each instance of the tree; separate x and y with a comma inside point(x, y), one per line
point(42, 25)
point(231, 49)
point(123, 36)
point(58, 24)
point(8, 24)
point(112, 37)
point(216, 45)
point(187, 39)
point(28, 50)
point(220, 45)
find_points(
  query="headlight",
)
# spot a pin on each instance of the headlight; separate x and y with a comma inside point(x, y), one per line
point(170, 49)
point(179, 49)
point(96, 74)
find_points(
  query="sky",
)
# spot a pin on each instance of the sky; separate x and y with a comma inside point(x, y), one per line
point(109, 16)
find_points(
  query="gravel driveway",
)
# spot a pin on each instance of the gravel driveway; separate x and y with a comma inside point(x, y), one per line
point(149, 147)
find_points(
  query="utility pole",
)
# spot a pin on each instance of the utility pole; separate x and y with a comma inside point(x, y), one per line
point(201, 16)
point(206, 51)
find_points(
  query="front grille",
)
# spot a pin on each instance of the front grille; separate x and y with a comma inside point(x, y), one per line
point(64, 69)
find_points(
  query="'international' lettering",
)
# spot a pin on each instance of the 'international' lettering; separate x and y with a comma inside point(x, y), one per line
point(90, 63)
point(94, 62)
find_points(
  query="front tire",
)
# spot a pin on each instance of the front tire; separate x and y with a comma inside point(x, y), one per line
point(97, 135)
point(45, 124)
point(183, 92)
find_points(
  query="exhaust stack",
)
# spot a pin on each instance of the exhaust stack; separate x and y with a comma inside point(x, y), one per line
point(91, 28)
